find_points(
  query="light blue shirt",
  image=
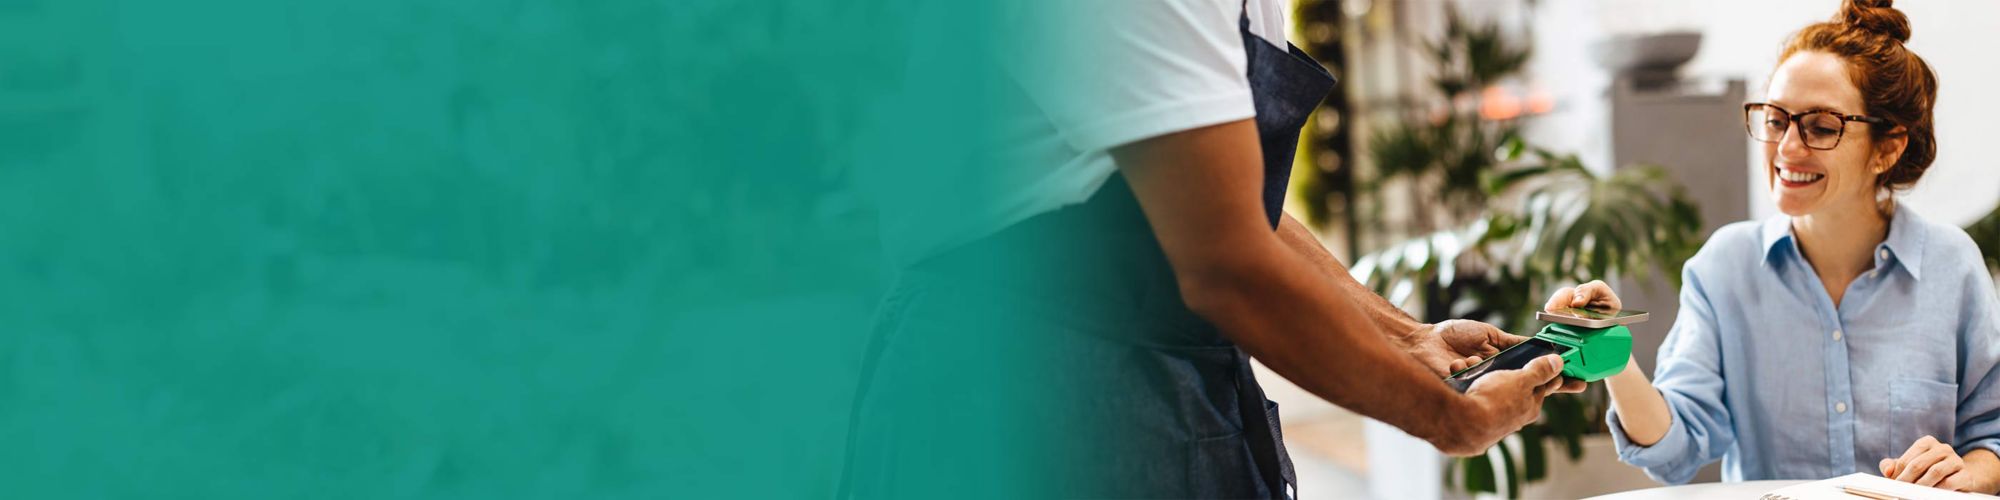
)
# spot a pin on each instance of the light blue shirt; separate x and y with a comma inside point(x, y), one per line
point(1763, 372)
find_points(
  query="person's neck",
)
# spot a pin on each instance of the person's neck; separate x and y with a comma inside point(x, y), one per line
point(1840, 242)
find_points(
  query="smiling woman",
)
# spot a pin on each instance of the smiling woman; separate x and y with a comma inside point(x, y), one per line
point(1835, 74)
point(1847, 334)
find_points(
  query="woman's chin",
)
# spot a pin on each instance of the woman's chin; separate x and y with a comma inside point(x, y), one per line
point(1793, 205)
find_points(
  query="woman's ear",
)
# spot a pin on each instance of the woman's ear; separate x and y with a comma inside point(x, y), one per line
point(1888, 150)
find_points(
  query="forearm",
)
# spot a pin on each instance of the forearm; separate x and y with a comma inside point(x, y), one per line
point(1388, 318)
point(1296, 322)
point(1200, 192)
point(1642, 412)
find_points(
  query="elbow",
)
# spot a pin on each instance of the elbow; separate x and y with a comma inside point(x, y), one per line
point(1244, 289)
point(1211, 291)
point(1220, 288)
point(1645, 438)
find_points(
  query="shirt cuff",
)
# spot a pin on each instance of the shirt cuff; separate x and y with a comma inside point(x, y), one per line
point(1991, 444)
point(1671, 448)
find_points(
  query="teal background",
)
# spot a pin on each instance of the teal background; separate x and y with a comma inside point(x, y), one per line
point(445, 249)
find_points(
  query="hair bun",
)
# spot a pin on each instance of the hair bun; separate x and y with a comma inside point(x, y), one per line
point(1875, 16)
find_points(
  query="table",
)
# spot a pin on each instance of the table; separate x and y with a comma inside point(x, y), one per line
point(1746, 489)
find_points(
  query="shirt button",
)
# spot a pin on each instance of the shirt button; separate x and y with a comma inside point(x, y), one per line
point(1836, 335)
point(1840, 407)
point(1883, 253)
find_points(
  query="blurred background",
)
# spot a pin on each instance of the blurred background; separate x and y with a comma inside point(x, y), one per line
point(1483, 153)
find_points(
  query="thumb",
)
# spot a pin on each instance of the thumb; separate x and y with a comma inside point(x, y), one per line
point(1537, 372)
point(1546, 368)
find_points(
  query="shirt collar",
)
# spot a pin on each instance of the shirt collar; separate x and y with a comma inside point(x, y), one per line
point(1904, 247)
point(1776, 230)
point(1905, 244)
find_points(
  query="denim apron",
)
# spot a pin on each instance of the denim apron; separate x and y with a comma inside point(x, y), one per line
point(1056, 358)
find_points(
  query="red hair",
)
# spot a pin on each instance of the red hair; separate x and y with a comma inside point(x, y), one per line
point(1895, 84)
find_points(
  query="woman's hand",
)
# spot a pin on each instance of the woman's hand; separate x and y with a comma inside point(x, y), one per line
point(1642, 412)
point(1594, 295)
point(1929, 463)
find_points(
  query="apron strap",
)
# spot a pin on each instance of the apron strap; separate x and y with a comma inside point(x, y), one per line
point(1261, 432)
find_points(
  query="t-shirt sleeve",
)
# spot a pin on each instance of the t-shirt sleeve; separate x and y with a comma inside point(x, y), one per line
point(1111, 72)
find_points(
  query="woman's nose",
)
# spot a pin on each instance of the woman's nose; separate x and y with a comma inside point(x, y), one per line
point(1793, 144)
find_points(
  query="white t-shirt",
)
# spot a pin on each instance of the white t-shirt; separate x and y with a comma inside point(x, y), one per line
point(1112, 72)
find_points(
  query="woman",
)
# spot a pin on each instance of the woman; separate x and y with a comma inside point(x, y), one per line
point(1847, 334)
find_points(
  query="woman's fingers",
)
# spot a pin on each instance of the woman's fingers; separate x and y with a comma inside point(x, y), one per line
point(1888, 466)
point(1917, 448)
point(1901, 464)
point(1956, 482)
point(1593, 295)
point(1596, 295)
point(1944, 468)
point(1560, 300)
point(1921, 465)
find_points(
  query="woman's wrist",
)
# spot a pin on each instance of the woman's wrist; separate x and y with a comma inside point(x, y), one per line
point(1626, 377)
point(1641, 411)
point(1626, 381)
point(1985, 465)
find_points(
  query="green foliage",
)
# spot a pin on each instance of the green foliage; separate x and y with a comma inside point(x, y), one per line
point(1578, 225)
point(1986, 233)
point(1451, 151)
point(1451, 154)
point(1470, 58)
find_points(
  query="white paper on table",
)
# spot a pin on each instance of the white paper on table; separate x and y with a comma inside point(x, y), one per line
point(1830, 489)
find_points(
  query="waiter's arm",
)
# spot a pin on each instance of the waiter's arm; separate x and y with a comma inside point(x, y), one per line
point(1444, 348)
point(1200, 190)
point(1385, 315)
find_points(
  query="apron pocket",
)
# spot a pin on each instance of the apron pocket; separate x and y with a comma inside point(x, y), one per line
point(1221, 467)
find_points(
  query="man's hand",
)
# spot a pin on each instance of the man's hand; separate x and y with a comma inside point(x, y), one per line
point(1445, 348)
point(1451, 346)
point(1501, 403)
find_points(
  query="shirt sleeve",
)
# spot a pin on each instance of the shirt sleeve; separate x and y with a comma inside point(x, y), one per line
point(1111, 72)
point(1979, 351)
point(1689, 377)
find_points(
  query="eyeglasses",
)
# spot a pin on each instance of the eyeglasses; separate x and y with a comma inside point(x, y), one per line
point(1821, 129)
